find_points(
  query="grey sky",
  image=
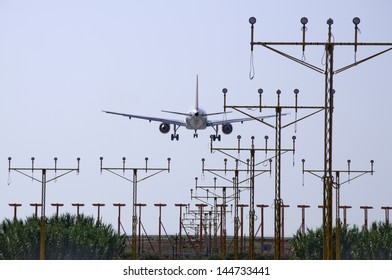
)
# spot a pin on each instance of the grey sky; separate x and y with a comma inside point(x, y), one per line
point(62, 62)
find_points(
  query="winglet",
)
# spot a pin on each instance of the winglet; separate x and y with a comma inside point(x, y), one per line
point(197, 93)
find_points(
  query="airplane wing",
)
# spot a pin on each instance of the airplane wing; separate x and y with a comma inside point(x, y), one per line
point(155, 119)
point(213, 123)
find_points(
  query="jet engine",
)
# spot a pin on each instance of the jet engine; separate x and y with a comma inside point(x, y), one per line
point(227, 128)
point(164, 128)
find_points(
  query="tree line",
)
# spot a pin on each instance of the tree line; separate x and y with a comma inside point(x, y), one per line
point(67, 237)
point(374, 243)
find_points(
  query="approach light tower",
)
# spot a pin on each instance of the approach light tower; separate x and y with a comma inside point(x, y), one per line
point(236, 188)
point(337, 184)
point(329, 72)
point(278, 150)
point(44, 180)
point(252, 171)
point(218, 208)
point(135, 180)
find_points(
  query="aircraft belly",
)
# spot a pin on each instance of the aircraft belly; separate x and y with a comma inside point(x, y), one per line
point(196, 123)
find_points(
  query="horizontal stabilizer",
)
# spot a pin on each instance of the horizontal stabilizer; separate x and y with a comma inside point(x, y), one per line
point(177, 113)
point(217, 113)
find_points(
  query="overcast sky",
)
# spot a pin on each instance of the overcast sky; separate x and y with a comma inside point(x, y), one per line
point(63, 62)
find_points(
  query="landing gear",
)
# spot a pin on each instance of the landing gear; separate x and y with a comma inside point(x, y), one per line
point(195, 135)
point(175, 135)
point(216, 136)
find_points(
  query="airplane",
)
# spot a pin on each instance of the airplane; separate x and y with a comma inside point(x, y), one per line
point(196, 119)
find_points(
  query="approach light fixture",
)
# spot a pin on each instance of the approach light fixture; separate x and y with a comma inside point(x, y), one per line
point(304, 20)
point(356, 20)
point(330, 21)
point(252, 20)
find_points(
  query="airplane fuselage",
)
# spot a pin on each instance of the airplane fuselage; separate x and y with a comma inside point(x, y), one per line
point(197, 120)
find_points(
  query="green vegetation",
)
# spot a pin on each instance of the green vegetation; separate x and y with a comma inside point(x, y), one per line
point(67, 238)
point(372, 244)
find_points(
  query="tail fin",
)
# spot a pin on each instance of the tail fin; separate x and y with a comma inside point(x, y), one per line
point(197, 93)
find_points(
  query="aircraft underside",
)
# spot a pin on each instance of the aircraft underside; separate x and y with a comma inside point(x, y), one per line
point(214, 137)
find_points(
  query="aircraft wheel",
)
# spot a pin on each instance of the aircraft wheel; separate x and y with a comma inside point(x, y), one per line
point(175, 136)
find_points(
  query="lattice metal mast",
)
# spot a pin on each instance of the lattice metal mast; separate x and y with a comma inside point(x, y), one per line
point(278, 150)
point(221, 212)
point(253, 173)
point(44, 180)
point(236, 184)
point(218, 209)
point(329, 73)
point(135, 180)
point(336, 184)
point(213, 194)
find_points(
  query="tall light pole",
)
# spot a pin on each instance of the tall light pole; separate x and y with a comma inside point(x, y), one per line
point(211, 193)
point(43, 181)
point(278, 150)
point(329, 72)
point(337, 184)
point(135, 180)
point(252, 171)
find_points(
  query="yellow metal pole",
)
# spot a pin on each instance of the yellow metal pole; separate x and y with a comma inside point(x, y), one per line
point(328, 178)
point(43, 219)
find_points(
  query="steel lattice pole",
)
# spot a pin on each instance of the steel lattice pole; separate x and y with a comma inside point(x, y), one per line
point(43, 218)
point(328, 177)
point(252, 205)
point(236, 218)
point(278, 199)
point(134, 217)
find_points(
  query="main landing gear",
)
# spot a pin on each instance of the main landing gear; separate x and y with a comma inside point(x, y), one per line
point(216, 136)
point(175, 135)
